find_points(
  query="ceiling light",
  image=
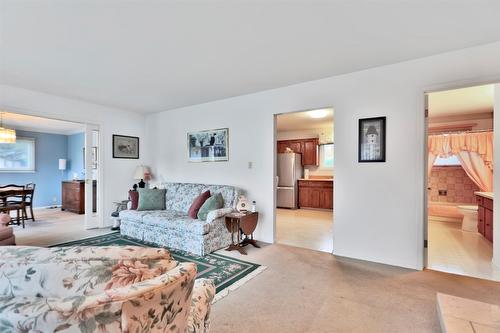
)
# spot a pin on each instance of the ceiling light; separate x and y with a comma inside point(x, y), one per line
point(6, 135)
point(322, 113)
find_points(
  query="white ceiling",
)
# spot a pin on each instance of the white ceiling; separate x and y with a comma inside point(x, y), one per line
point(154, 55)
point(38, 124)
point(472, 100)
point(296, 121)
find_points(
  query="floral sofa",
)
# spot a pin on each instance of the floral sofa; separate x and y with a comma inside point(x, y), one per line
point(173, 227)
point(100, 289)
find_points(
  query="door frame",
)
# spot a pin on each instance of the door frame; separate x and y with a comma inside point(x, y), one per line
point(422, 155)
point(100, 150)
point(275, 155)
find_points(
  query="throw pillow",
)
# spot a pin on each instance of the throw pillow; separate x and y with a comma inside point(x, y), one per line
point(214, 202)
point(133, 196)
point(151, 199)
point(197, 203)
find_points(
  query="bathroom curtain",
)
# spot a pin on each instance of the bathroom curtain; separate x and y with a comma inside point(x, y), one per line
point(430, 163)
point(474, 151)
point(476, 169)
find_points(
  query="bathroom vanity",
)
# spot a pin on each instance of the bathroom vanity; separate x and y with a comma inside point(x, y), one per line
point(485, 214)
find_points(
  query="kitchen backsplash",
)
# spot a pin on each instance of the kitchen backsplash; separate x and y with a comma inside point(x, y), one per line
point(453, 182)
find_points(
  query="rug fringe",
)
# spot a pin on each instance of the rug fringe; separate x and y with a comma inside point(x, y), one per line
point(223, 293)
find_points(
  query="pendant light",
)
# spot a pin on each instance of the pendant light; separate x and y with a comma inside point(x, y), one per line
point(6, 135)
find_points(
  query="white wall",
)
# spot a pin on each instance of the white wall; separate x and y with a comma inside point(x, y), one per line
point(378, 206)
point(117, 173)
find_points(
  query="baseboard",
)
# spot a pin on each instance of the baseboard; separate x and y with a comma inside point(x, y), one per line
point(47, 207)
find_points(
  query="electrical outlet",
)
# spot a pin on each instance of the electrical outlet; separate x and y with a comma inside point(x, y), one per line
point(250, 165)
point(443, 192)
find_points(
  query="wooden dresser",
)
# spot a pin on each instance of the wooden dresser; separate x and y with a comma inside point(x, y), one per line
point(316, 193)
point(73, 196)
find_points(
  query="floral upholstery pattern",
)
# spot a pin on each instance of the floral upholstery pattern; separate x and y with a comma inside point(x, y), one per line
point(100, 289)
point(174, 228)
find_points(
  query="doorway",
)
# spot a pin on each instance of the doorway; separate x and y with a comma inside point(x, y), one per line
point(459, 179)
point(304, 179)
point(60, 161)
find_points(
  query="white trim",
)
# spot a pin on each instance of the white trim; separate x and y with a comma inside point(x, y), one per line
point(421, 156)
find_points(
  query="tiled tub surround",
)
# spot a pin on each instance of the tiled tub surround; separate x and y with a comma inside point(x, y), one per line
point(460, 188)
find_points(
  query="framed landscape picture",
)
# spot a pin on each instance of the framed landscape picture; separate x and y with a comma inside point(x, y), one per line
point(371, 144)
point(208, 146)
point(125, 146)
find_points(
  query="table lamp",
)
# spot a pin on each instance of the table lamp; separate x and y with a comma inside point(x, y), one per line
point(141, 173)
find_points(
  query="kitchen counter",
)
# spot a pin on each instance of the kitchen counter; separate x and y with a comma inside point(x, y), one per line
point(318, 179)
point(488, 195)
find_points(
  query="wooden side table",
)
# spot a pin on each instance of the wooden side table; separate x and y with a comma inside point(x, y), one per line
point(240, 224)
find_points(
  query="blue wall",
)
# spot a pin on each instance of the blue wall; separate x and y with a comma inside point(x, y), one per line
point(49, 148)
point(75, 163)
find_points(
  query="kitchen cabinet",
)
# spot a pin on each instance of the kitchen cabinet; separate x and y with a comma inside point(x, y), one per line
point(309, 148)
point(485, 217)
point(316, 194)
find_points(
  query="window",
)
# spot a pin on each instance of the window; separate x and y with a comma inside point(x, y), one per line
point(326, 156)
point(19, 156)
point(447, 161)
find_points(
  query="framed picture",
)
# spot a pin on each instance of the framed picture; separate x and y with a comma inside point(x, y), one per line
point(208, 146)
point(125, 146)
point(371, 145)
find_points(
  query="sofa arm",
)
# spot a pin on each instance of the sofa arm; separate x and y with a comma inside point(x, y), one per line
point(201, 303)
point(215, 214)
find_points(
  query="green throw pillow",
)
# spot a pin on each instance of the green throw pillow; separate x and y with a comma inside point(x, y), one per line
point(151, 199)
point(212, 203)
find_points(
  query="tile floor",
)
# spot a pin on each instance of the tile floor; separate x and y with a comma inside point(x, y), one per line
point(306, 228)
point(455, 251)
point(53, 226)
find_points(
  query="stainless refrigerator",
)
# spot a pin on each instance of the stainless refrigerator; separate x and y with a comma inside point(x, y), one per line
point(289, 170)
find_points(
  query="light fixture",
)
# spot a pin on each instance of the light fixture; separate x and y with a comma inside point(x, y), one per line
point(6, 135)
point(316, 114)
point(142, 173)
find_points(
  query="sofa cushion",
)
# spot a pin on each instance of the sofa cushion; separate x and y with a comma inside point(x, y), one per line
point(179, 196)
point(214, 202)
point(151, 199)
point(197, 203)
point(134, 215)
point(134, 199)
point(176, 221)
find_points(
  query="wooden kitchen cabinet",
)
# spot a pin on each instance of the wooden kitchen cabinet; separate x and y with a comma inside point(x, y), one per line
point(485, 217)
point(316, 194)
point(309, 148)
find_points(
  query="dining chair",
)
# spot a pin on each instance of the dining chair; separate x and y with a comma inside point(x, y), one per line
point(18, 206)
point(29, 201)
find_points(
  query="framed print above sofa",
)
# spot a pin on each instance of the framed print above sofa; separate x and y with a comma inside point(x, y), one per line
point(208, 145)
point(125, 146)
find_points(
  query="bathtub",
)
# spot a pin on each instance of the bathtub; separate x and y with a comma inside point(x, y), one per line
point(445, 211)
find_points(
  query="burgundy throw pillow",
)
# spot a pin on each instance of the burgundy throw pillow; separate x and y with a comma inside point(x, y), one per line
point(197, 203)
point(134, 199)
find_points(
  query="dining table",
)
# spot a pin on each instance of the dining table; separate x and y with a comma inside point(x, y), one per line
point(9, 192)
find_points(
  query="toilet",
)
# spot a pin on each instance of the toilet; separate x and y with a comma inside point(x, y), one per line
point(469, 222)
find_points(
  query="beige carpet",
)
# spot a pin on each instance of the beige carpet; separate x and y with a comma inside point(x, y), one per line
point(310, 291)
point(53, 226)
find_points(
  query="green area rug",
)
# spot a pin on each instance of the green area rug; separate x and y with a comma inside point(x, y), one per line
point(227, 273)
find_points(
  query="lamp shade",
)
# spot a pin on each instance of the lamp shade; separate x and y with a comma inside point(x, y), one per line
point(141, 172)
point(62, 164)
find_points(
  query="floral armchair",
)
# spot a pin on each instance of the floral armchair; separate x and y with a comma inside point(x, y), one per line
point(100, 289)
